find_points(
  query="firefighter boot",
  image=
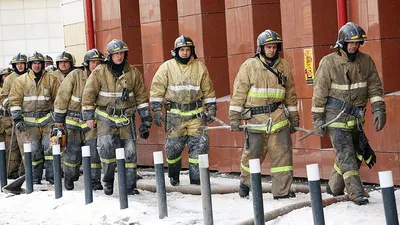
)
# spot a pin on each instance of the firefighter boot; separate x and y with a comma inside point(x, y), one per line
point(96, 185)
point(244, 191)
point(360, 200)
point(290, 195)
point(68, 184)
point(174, 181)
point(108, 188)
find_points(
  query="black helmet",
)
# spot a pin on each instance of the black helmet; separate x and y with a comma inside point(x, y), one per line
point(48, 58)
point(116, 46)
point(269, 37)
point(92, 55)
point(5, 71)
point(20, 58)
point(65, 57)
point(183, 41)
point(350, 32)
point(36, 56)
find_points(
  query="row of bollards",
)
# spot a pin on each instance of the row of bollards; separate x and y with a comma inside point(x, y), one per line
point(385, 178)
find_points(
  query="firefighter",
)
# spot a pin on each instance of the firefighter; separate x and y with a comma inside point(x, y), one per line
point(5, 134)
point(48, 61)
point(264, 93)
point(185, 84)
point(112, 94)
point(346, 80)
point(19, 65)
point(65, 63)
point(31, 103)
point(67, 111)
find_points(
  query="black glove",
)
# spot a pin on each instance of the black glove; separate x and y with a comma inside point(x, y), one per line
point(293, 125)
point(317, 126)
point(158, 117)
point(20, 125)
point(380, 117)
point(144, 131)
point(235, 127)
point(211, 112)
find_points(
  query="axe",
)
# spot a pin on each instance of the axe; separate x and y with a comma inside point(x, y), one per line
point(268, 125)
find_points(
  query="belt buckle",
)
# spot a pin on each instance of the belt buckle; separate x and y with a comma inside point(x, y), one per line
point(110, 110)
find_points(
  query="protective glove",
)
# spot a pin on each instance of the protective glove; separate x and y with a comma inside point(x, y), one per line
point(317, 127)
point(211, 112)
point(235, 127)
point(158, 117)
point(293, 125)
point(380, 117)
point(144, 131)
point(20, 125)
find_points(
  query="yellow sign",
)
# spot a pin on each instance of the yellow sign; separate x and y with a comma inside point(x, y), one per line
point(309, 65)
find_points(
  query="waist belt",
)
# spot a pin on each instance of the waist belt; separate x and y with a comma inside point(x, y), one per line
point(74, 114)
point(348, 108)
point(4, 112)
point(112, 111)
point(265, 108)
point(185, 107)
point(36, 114)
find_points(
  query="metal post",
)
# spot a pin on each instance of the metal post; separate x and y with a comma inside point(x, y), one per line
point(3, 167)
point(57, 171)
point(160, 184)
point(87, 179)
point(123, 197)
point(315, 193)
point(28, 167)
point(258, 207)
point(205, 190)
point(389, 200)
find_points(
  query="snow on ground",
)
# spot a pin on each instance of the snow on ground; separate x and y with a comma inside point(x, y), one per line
point(42, 208)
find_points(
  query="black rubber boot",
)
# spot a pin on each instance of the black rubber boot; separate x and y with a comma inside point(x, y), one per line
point(244, 191)
point(361, 200)
point(290, 195)
point(174, 181)
point(195, 182)
point(97, 186)
point(133, 192)
point(68, 184)
point(13, 175)
point(108, 188)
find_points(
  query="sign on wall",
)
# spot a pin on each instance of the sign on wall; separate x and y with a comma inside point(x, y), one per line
point(309, 65)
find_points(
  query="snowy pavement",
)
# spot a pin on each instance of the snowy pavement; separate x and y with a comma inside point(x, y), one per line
point(42, 208)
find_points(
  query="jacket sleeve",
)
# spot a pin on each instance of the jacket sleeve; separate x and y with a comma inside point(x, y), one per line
point(322, 84)
point(291, 99)
point(89, 96)
point(158, 87)
point(16, 98)
point(142, 101)
point(207, 88)
point(375, 91)
point(241, 87)
point(63, 98)
point(5, 91)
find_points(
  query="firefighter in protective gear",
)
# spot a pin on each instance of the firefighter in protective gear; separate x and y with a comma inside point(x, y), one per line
point(48, 61)
point(185, 84)
point(345, 80)
point(5, 134)
point(31, 103)
point(67, 111)
point(264, 90)
point(65, 64)
point(19, 65)
point(112, 94)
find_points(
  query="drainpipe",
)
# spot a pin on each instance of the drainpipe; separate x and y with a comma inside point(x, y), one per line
point(341, 12)
point(89, 25)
